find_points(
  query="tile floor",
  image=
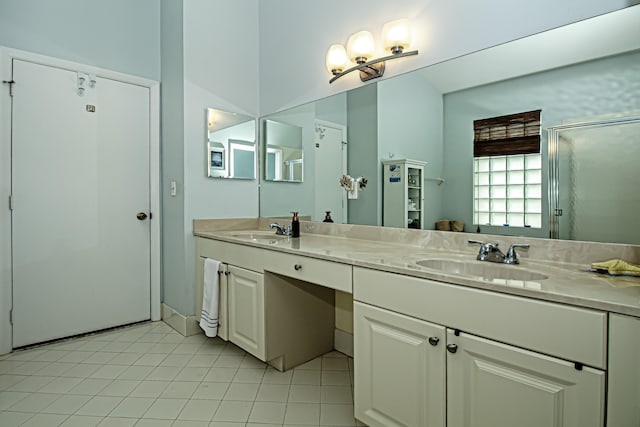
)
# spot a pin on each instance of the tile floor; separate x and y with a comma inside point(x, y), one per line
point(149, 375)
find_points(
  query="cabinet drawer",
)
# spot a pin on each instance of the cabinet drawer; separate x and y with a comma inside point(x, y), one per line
point(567, 332)
point(230, 253)
point(325, 273)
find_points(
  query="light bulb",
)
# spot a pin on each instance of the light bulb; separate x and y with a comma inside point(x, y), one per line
point(336, 59)
point(360, 47)
point(396, 35)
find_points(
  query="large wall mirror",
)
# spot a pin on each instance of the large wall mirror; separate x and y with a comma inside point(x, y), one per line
point(587, 72)
point(231, 146)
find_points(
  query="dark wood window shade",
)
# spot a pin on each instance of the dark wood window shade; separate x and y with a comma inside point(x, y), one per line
point(506, 135)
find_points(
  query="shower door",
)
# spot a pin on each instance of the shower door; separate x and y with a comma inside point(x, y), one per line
point(594, 179)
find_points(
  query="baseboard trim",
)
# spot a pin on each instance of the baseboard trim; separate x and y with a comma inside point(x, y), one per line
point(184, 325)
point(343, 342)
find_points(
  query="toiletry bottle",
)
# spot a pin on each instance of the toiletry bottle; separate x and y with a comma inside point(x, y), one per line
point(327, 217)
point(295, 225)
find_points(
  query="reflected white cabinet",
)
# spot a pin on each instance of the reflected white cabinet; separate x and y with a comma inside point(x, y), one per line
point(245, 302)
point(497, 385)
point(399, 370)
point(403, 193)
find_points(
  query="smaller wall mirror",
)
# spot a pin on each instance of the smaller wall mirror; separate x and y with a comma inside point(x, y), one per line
point(231, 145)
point(283, 152)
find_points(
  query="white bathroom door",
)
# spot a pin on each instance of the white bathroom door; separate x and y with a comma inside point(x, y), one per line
point(330, 165)
point(80, 177)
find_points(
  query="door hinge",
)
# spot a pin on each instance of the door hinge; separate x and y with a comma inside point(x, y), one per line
point(558, 212)
point(10, 83)
point(11, 316)
point(11, 202)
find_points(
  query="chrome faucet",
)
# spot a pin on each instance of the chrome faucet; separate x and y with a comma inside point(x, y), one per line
point(492, 253)
point(280, 230)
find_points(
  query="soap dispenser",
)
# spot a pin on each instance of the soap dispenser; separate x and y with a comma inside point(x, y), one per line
point(295, 225)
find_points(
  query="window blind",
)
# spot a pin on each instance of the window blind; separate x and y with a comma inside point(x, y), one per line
point(506, 135)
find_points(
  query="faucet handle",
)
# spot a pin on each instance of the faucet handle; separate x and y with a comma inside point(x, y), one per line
point(512, 256)
point(485, 249)
point(487, 246)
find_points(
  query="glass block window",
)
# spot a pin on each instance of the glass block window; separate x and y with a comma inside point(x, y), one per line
point(507, 190)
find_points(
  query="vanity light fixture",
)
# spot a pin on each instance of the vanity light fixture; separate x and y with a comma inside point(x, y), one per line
point(396, 36)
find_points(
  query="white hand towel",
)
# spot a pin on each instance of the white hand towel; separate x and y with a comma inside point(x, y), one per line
point(209, 314)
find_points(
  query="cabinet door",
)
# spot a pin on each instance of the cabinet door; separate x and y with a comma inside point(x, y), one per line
point(246, 310)
point(492, 384)
point(399, 367)
point(223, 327)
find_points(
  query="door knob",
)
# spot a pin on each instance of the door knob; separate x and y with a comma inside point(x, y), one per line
point(141, 216)
point(297, 267)
point(434, 340)
point(452, 348)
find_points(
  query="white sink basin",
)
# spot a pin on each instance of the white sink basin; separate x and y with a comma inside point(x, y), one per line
point(260, 237)
point(481, 269)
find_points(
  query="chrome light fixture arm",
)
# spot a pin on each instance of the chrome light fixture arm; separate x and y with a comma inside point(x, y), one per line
point(372, 69)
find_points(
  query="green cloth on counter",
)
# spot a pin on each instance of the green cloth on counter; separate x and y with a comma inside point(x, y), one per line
point(616, 267)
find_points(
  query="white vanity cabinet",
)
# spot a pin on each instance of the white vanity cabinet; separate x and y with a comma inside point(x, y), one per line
point(245, 303)
point(497, 373)
point(494, 384)
point(399, 369)
point(623, 408)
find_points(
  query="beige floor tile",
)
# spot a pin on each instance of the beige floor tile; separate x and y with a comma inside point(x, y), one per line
point(118, 422)
point(13, 419)
point(273, 393)
point(192, 374)
point(35, 402)
point(302, 413)
point(136, 373)
point(199, 410)
point(8, 398)
point(211, 390)
point(306, 377)
point(220, 374)
point(67, 404)
point(241, 391)
point(248, 376)
point(149, 389)
point(304, 394)
point(234, 411)
point(267, 413)
point(336, 415)
point(49, 420)
point(31, 384)
point(167, 409)
point(119, 388)
point(180, 389)
point(336, 394)
point(99, 406)
point(132, 407)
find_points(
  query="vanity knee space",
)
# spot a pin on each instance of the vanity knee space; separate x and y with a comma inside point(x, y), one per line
point(280, 314)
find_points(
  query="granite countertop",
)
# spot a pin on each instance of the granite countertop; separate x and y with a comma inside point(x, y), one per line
point(567, 281)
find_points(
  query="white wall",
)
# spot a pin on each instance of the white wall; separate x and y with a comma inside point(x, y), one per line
point(294, 36)
point(120, 35)
point(214, 77)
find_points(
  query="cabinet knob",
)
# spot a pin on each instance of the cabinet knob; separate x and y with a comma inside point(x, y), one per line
point(297, 267)
point(452, 348)
point(434, 340)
